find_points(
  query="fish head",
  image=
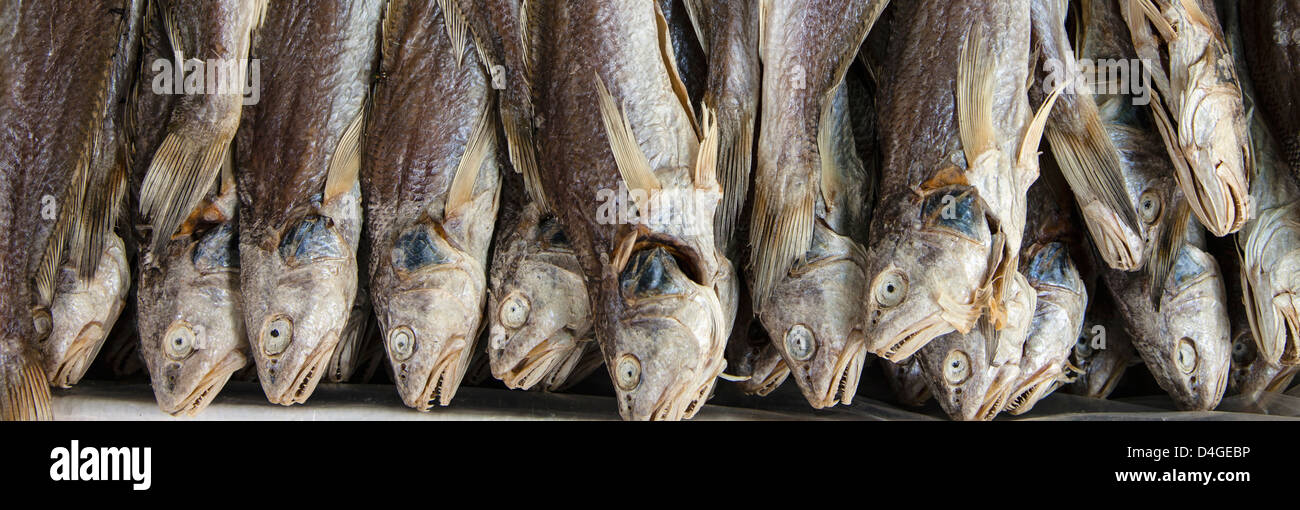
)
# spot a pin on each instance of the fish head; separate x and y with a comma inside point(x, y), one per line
point(756, 359)
point(907, 381)
point(298, 286)
point(82, 313)
point(960, 377)
point(1054, 330)
point(1252, 374)
point(1215, 139)
point(1271, 280)
point(539, 312)
point(1196, 344)
point(924, 272)
point(814, 318)
point(429, 301)
point(192, 336)
point(667, 346)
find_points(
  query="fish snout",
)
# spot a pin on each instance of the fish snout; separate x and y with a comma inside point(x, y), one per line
point(74, 362)
point(1121, 248)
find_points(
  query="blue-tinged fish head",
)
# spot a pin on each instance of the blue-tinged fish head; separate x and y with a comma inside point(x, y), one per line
point(925, 270)
point(1058, 316)
point(1195, 346)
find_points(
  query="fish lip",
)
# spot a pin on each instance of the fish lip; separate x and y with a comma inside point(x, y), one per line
point(777, 375)
point(211, 384)
point(1034, 389)
point(438, 380)
point(1112, 380)
point(912, 339)
point(309, 375)
point(997, 395)
point(1281, 380)
point(1113, 239)
point(534, 366)
point(1290, 351)
point(848, 369)
point(79, 355)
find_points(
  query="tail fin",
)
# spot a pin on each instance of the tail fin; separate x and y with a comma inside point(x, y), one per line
point(24, 389)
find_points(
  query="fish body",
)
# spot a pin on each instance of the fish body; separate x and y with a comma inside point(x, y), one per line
point(57, 84)
point(1197, 105)
point(1186, 341)
point(1062, 296)
point(1104, 350)
point(946, 235)
point(657, 287)
point(431, 183)
point(539, 314)
point(1271, 32)
point(297, 153)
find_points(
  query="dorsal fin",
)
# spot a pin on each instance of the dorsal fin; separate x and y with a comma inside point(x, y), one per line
point(632, 163)
point(457, 29)
point(345, 163)
point(1173, 234)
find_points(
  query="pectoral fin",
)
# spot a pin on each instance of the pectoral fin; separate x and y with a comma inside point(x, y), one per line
point(975, 96)
point(632, 163)
point(461, 191)
point(345, 163)
point(24, 389)
point(1173, 235)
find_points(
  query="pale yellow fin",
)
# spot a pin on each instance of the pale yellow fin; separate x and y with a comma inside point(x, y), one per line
point(180, 174)
point(457, 29)
point(706, 160)
point(174, 35)
point(670, 65)
point(734, 162)
point(476, 151)
point(24, 388)
point(975, 96)
point(781, 230)
point(1090, 160)
point(1173, 235)
point(345, 163)
point(832, 179)
point(99, 208)
point(632, 163)
point(1167, 31)
point(1034, 132)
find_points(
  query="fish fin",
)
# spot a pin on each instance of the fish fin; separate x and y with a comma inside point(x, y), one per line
point(180, 174)
point(734, 378)
point(345, 163)
point(975, 96)
point(1083, 11)
point(1153, 14)
point(1090, 160)
point(173, 35)
point(706, 160)
point(831, 184)
point(26, 389)
point(99, 208)
point(623, 252)
point(735, 152)
point(461, 191)
point(695, 11)
point(1028, 154)
point(991, 338)
point(781, 231)
point(764, 7)
point(1172, 237)
point(670, 65)
point(523, 156)
point(632, 163)
point(457, 29)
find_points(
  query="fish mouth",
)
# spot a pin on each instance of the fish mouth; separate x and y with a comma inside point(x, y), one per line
point(309, 375)
point(1028, 394)
point(682, 403)
point(848, 369)
point(79, 355)
point(1120, 250)
point(536, 365)
point(443, 381)
point(996, 397)
point(912, 339)
point(1282, 379)
point(1112, 380)
point(571, 363)
point(1285, 304)
point(777, 375)
point(208, 387)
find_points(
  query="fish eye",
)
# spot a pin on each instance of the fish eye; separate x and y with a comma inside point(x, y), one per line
point(42, 323)
point(178, 342)
point(401, 342)
point(277, 334)
point(799, 342)
point(627, 372)
point(1185, 356)
point(1081, 348)
point(891, 288)
point(1149, 206)
point(1243, 350)
point(956, 367)
point(514, 310)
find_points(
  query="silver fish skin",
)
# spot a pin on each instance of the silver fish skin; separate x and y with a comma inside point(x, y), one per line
point(815, 319)
point(539, 315)
point(660, 289)
point(907, 381)
point(300, 212)
point(1272, 51)
point(1103, 352)
point(1269, 244)
point(946, 235)
point(57, 82)
point(1186, 343)
point(1062, 297)
point(1198, 106)
point(432, 186)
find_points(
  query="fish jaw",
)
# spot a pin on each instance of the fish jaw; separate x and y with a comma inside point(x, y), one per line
point(1121, 247)
point(978, 393)
point(940, 273)
point(767, 373)
point(815, 322)
point(438, 313)
point(83, 313)
point(555, 310)
point(311, 301)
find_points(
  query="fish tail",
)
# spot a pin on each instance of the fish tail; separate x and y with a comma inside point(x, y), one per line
point(24, 389)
